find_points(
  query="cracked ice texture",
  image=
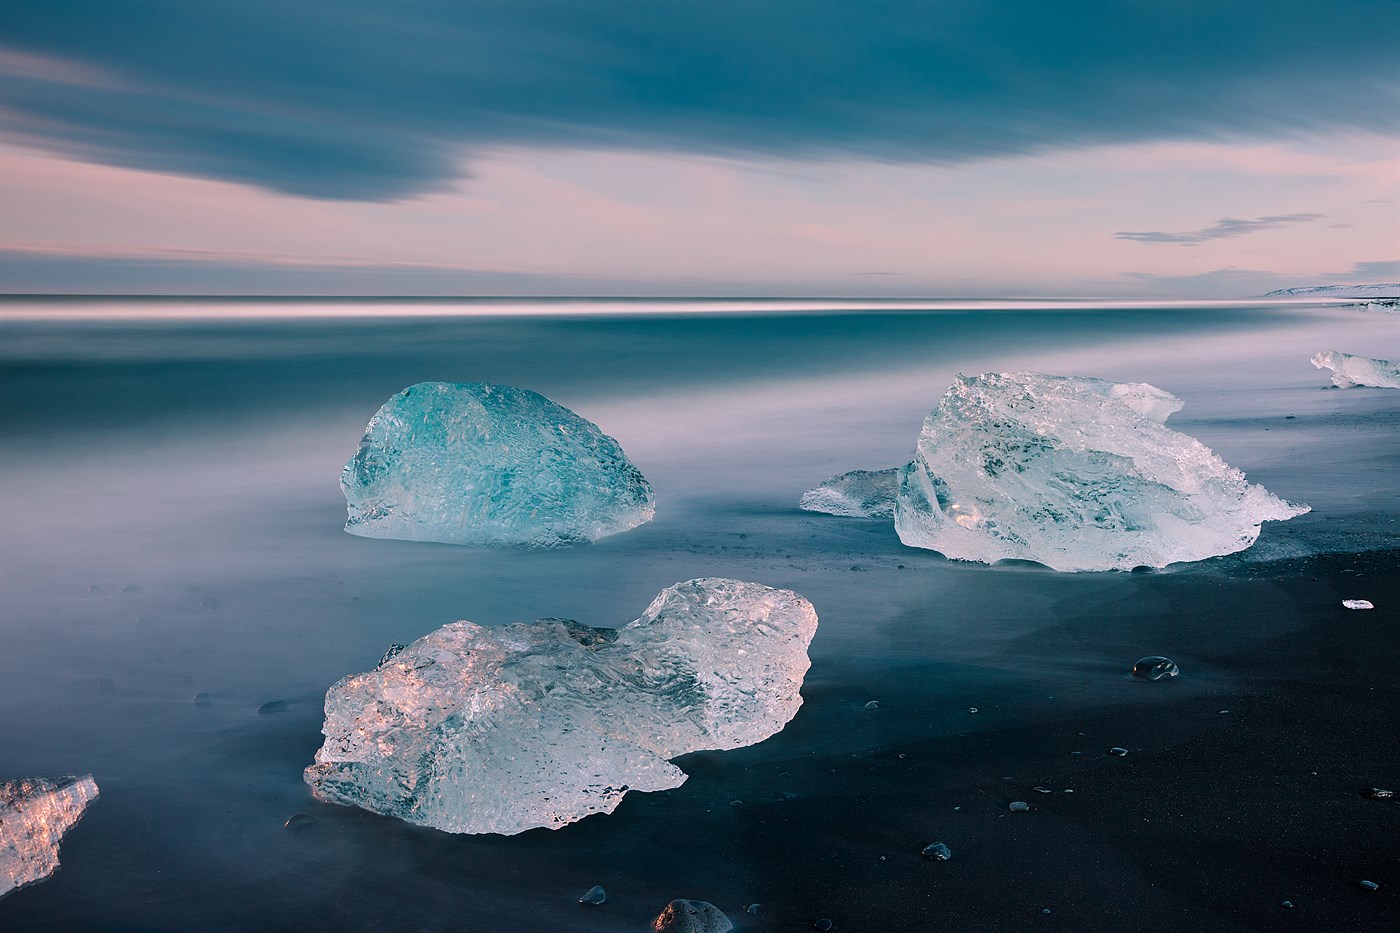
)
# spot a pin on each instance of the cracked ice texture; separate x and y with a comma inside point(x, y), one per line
point(476, 729)
point(857, 494)
point(1348, 370)
point(489, 465)
point(1075, 473)
point(34, 815)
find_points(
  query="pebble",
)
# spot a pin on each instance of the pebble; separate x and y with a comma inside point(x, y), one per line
point(1357, 604)
point(1118, 751)
point(1019, 806)
point(594, 895)
point(684, 916)
point(938, 851)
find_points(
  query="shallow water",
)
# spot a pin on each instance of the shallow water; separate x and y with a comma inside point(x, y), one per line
point(173, 527)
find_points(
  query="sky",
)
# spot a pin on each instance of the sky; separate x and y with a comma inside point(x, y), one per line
point(934, 149)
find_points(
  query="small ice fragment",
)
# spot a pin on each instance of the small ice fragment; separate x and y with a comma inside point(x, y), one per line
point(273, 706)
point(938, 851)
point(489, 465)
point(1349, 370)
point(1358, 604)
point(1378, 793)
point(857, 494)
point(106, 685)
point(204, 699)
point(300, 821)
point(1042, 790)
point(972, 710)
point(752, 908)
point(823, 924)
point(1019, 806)
point(873, 704)
point(1118, 751)
point(1155, 667)
point(500, 729)
point(1369, 885)
point(683, 916)
point(1045, 911)
point(1288, 904)
point(594, 895)
point(34, 815)
point(1075, 473)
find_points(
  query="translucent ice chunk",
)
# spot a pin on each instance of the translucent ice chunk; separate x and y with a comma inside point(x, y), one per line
point(1076, 473)
point(475, 729)
point(857, 494)
point(683, 916)
point(594, 895)
point(1348, 370)
point(34, 815)
point(938, 851)
point(1155, 668)
point(479, 464)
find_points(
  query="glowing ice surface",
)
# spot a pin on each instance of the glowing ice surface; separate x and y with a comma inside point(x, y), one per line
point(1076, 473)
point(473, 463)
point(476, 729)
point(857, 494)
point(34, 815)
point(1348, 370)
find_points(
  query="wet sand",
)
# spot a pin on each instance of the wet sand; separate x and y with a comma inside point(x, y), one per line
point(173, 544)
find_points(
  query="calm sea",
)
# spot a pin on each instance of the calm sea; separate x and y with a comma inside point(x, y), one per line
point(172, 526)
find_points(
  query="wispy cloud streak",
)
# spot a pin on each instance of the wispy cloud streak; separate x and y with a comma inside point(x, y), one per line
point(1223, 229)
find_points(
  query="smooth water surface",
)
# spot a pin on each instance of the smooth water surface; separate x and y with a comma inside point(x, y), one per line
point(173, 527)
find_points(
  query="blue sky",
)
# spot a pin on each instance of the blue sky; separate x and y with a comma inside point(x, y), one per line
point(1147, 148)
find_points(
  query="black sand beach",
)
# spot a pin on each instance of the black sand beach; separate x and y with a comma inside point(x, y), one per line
point(190, 543)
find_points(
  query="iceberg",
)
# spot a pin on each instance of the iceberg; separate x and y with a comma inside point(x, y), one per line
point(489, 465)
point(1075, 473)
point(1380, 291)
point(34, 815)
point(857, 494)
point(1348, 370)
point(477, 729)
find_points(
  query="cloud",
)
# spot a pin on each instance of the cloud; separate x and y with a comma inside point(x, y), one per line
point(1222, 230)
point(1366, 273)
point(379, 101)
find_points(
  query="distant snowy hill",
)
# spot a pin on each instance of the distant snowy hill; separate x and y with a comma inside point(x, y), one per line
point(1339, 291)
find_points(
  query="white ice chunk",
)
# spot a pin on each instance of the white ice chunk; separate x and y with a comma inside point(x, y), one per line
point(476, 729)
point(34, 815)
point(1348, 370)
point(857, 494)
point(473, 463)
point(1076, 473)
point(1358, 604)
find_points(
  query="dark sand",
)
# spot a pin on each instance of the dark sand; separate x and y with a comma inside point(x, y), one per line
point(173, 527)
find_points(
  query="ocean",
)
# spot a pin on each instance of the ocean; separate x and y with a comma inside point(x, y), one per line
point(173, 526)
